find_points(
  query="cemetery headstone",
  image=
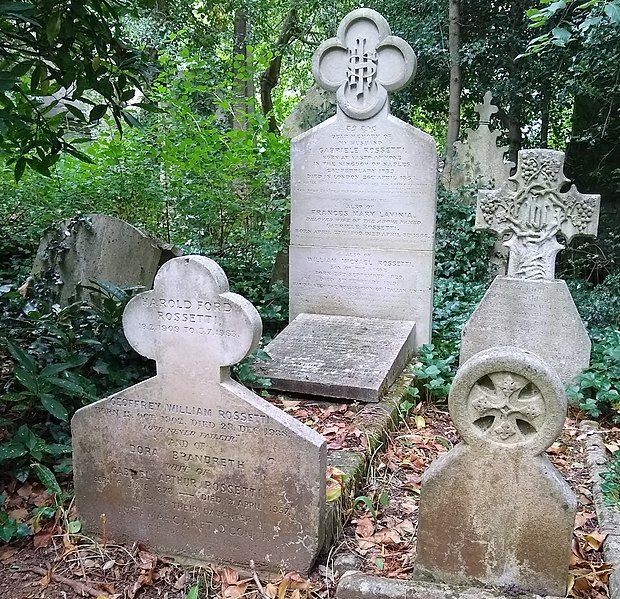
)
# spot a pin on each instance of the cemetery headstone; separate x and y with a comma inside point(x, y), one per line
point(478, 160)
point(529, 308)
point(363, 194)
point(494, 510)
point(97, 247)
point(190, 462)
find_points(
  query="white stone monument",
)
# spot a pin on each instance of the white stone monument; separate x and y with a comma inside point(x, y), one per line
point(190, 462)
point(528, 308)
point(478, 160)
point(363, 192)
point(494, 510)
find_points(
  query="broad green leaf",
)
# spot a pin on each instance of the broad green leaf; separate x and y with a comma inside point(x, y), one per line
point(21, 356)
point(97, 112)
point(69, 387)
point(53, 27)
point(46, 476)
point(54, 407)
point(193, 592)
point(74, 527)
point(26, 437)
point(27, 379)
point(10, 451)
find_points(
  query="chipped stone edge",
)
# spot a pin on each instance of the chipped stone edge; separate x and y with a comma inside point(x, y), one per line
point(608, 516)
point(375, 420)
point(356, 585)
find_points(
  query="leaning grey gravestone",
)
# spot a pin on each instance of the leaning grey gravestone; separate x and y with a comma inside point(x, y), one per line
point(97, 247)
point(494, 510)
point(190, 462)
point(529, 308)
point(478, 160)
point(363, 198)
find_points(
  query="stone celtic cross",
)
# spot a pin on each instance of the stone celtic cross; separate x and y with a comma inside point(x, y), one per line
point(362, 63)
point(533, 208)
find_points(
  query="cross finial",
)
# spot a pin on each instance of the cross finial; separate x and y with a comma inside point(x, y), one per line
point(362, 63)
point(486, 109)
point(190, 317)
point(532, 207)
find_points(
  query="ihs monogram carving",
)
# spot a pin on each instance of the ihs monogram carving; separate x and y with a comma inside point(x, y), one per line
point(363, 63)
point(506, 407)
point(533, 208)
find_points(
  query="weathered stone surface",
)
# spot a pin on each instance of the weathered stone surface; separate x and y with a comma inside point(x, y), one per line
point(494, 510)
point(99, 248)
point(363, 188)
point(539, 316)
point(339, 356)
point(316, 105)
point(478, 160)
point(532, 207)
point(355, 585)
point(190, 462)
point(366, 283)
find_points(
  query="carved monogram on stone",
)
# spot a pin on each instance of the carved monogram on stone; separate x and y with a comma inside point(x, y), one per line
point(362, 63)
point(533, 208)
point(506, 407)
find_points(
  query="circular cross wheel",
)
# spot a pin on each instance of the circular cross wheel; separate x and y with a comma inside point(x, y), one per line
point(508, 397)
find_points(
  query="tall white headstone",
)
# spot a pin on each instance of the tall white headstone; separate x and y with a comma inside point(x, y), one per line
point(363, 197)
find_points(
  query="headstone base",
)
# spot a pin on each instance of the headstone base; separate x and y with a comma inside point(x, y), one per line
point(338, 356)
point(538, 316)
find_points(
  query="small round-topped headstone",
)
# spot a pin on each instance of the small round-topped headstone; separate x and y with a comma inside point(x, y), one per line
point(508, 397)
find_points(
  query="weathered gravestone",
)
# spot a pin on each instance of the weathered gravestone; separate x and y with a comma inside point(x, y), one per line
point(478, 160)
point(190, 462)
point(494, 510)
point(97, 247)
point(363, 198)
point(529, 308)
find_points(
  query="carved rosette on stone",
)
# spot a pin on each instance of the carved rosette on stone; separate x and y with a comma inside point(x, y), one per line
point(362, 63)
point(532, 207)
point(190, 462)
point(482, 502)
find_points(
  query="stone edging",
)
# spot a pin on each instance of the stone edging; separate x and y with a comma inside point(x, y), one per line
point(355, 585)
point(608, 516)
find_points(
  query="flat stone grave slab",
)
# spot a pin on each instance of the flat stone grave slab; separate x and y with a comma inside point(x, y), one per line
point(339, 356)
point(190, 462)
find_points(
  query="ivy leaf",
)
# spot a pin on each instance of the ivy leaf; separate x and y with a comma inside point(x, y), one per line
point(612, 10)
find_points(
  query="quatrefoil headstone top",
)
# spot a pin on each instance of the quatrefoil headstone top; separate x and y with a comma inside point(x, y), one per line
point(533, 208)
point(190, 320)
point(480, 502)
point(363, 63)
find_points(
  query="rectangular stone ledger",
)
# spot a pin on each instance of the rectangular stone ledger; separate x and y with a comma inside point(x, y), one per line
point(339, 356)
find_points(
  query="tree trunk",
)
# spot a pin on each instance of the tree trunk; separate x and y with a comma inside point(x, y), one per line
point(271, 75)
point(240, 77)
point(544, 115)
point(454, 107)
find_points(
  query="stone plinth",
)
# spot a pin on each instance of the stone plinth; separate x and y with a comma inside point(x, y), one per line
point(339, 356)
point(494, 510)
point(190, 462)
point(539, 316)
